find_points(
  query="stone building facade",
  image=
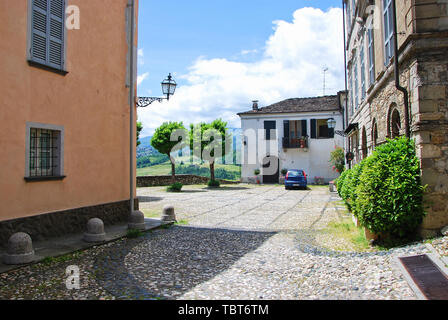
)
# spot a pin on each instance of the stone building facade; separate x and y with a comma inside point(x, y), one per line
point(376, 108)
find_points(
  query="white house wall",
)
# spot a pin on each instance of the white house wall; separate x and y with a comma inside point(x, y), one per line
point(314, 160)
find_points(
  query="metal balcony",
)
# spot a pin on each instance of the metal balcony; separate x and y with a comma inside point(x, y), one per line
point(295, 143)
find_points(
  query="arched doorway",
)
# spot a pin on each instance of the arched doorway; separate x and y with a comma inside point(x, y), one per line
point(364, 143)
point(394, 122)
point(271, 172)
point(374, 134)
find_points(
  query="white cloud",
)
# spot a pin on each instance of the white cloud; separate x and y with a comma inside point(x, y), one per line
point(246, 52)
point(291, 66)
point(141, 78)
point(141, 57)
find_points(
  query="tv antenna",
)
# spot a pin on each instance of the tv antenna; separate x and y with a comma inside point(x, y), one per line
point(325, 69)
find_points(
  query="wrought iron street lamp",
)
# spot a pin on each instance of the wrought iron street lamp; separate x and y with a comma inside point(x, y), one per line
point(168, 89)
point(331, 123)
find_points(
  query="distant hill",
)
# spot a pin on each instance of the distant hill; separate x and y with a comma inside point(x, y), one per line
point(145, 148)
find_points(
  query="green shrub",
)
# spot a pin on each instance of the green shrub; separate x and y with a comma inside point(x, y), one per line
point(389, 193)
point(257, 172)
point(175, 187)
point(340, 181)
point(354, 182)
point(345, 189)
point(284, 171)
point(214, 183)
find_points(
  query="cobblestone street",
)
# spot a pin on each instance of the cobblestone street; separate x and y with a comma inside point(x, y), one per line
point(236, 242)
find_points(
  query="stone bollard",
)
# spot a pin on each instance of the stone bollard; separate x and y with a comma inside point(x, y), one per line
point(137, 221)
point(20, 249)
point(444, 231)
point(168, 214)
point(95, 231)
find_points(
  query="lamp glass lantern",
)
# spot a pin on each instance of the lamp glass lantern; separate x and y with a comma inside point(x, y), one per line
point(168, 86)
point(331, 123)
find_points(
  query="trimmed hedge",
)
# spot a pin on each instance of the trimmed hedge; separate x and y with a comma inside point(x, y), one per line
point(175, 187)
point(384, 191)
point(213, 183)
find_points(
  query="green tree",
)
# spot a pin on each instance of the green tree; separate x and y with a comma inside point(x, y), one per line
point(166, 138)
point(139, 129)
point(208, 141)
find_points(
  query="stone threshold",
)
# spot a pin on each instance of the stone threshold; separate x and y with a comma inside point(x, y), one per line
point(67, 244)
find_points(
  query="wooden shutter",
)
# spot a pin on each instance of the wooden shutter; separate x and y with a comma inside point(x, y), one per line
point(313, 128)
point(304, 128)
point(47, 40)
point(268, 126)
point(286, 129)
point(39, 25)
point(56, 38)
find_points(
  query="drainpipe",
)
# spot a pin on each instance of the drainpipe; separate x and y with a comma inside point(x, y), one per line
point(345, 113)
point(397, 73)
point(131, 6)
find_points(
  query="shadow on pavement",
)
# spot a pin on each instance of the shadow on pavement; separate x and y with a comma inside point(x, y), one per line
point(165, 264)
point(149, 199)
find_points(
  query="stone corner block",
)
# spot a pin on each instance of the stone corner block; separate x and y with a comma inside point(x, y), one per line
point(95, 231)
point(444, 231)
point(19, 250)
point(168, 214)
point(137, 221)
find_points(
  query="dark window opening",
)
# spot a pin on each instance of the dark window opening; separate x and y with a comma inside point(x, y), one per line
point(269, 128)
point(44, 160)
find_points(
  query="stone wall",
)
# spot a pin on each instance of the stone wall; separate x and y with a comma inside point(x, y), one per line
point(185, 179)
point(56, 224)
point(425, 74)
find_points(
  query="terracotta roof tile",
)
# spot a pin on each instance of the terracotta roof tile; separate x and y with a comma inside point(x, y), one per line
point(295, 105)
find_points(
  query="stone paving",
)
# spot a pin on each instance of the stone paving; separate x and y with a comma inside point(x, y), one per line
point(236, 242)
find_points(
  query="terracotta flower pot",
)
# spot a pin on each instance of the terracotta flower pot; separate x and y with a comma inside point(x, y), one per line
point(370, 235)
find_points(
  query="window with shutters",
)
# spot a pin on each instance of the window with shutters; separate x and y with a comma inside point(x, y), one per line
point(363, 71)
point(47, 36)
point(355, 85)
point(371, 56)
point(295, 134)
point(270, 130)
point(388, 31)
point(320, 130)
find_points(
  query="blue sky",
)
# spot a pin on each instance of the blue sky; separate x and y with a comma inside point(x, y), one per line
point(224, 54)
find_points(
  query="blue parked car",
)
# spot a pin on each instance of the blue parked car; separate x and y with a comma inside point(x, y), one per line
point(295, 179)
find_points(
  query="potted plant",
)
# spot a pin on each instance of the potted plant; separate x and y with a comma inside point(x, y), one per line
point(257, 176)
point(302, 142)
point(282, 176)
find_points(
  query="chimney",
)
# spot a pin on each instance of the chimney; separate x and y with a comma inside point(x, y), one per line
point(255, 105)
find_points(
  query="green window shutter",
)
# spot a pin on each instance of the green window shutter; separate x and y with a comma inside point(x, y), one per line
point(286, 129)
point(304, 128)
point(268, 126)
point(313, 128)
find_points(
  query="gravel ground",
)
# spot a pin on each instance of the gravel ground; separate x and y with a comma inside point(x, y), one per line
point(241, 242)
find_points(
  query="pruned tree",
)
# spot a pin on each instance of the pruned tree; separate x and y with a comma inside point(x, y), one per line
point(208, 142)
point(169, 138)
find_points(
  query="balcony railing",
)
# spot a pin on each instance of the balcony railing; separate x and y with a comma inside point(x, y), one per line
point(295, 143)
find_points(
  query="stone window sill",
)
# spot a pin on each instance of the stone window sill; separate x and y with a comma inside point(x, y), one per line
point(38, 179)
point(46, 67)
